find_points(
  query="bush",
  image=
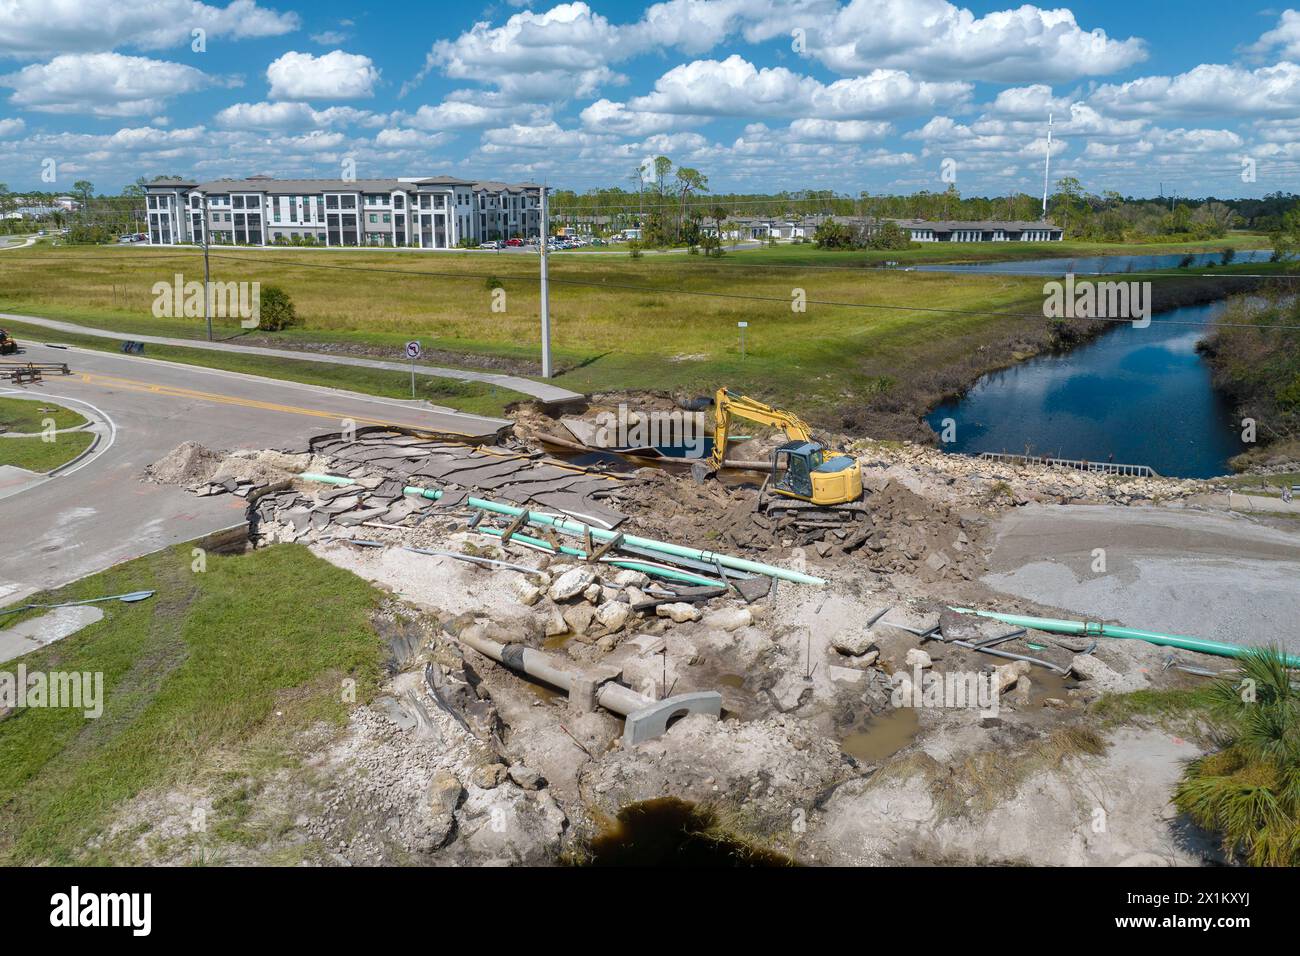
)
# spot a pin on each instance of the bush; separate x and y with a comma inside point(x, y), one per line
point(1249, 792)
point(277, 311)
point(634, 249)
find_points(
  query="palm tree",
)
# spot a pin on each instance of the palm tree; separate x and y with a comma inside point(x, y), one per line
point(1249, 791)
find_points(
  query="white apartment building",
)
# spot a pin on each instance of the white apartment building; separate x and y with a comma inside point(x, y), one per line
point(439, 212)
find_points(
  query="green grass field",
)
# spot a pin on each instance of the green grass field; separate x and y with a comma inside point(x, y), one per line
point(226, 661)
point(21, 416)
point(657, 322)
point(38, 455)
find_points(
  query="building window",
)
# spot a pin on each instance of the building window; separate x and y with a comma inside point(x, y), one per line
point(331, 202)
point(387, 217)
point(373, 219)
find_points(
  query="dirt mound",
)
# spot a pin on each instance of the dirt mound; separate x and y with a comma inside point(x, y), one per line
point(189, 463)
point(260, 467)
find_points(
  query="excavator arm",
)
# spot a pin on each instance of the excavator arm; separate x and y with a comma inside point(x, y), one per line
point(726, 404)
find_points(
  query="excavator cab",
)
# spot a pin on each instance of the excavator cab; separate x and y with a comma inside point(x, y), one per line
point(7, 344)
point(802, 469)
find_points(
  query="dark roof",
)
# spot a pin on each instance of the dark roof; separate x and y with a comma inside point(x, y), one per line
point(263, 184)
point(985, 225)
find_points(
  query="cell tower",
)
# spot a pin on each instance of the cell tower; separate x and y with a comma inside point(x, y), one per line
point(1047, 163)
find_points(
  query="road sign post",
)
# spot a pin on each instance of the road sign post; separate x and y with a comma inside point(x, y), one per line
point(543, 232)
point(412, 353)
point(742, 326)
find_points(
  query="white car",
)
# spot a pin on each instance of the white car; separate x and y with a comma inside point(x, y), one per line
point(490, 244)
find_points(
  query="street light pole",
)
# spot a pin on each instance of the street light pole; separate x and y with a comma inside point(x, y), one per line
point(546, 301)
point(207, 289)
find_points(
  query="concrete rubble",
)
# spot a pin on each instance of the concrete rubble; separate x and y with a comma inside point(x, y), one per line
point(820, 752)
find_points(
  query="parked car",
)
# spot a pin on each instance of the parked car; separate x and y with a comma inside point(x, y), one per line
point(490, 244)
point(515, 242)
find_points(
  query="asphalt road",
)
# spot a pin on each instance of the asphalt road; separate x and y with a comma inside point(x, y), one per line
point(1178, 571)
point(98, 513)
point(540, 390)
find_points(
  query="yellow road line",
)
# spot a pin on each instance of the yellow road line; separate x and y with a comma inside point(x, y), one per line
point(174, 391)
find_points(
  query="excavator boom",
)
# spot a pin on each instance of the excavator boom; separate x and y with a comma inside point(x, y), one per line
point(725, 405)
point(800, 468)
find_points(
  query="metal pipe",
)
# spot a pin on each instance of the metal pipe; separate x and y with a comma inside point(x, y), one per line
point(601, 534)
point(642, 566)
point(546, 668)
point(1054, 626)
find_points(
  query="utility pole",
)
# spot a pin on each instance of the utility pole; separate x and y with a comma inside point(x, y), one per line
point(207, 288)
point(546, 300)
point(1047, 163)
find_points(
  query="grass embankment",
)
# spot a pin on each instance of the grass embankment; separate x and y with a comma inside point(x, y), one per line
point(862, 355)
point(238, 656)
point(23, 416)
point(1255, 357)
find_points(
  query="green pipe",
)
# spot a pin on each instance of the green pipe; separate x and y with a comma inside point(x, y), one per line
point(577, 528)
point(619, 562)
point(1095, 629)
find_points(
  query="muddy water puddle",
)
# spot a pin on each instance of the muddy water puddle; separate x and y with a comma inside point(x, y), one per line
point(556, 642)
point(672, 832)
point(883, 735)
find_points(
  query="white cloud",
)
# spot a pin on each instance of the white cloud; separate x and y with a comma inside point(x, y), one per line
point(43, 27)
point(333, 76)
point(288, 115)
point(1283, 39)
point(102, 84)
point(735, 87)
point(936, 38)
point(1207, 89)
point(329, 37)
point(609, 117)
point(839, 131)
point(409, 139)
point(11, 127)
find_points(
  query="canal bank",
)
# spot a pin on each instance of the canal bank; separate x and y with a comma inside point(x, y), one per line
point(1134, 396)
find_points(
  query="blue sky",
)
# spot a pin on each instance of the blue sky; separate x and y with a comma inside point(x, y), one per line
point(760, 95)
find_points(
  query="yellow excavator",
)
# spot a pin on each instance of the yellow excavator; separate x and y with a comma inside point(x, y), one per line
point(801, 468)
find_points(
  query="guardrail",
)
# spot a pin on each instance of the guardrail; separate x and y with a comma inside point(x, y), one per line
point(1078, 464)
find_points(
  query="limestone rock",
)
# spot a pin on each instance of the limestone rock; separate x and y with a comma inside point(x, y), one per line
point(679, 613)
point(1006, 675)
point(445, 792)
point(489, 776)
point(613, 614)
point(729, 619)
point(1100, 676)
point(853, 641)
point(527, 592)
point(572, 583)
point(527, 777)
point(579, 617)
point(917, 658)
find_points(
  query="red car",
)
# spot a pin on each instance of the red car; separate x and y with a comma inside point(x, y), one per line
point(515, 242)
